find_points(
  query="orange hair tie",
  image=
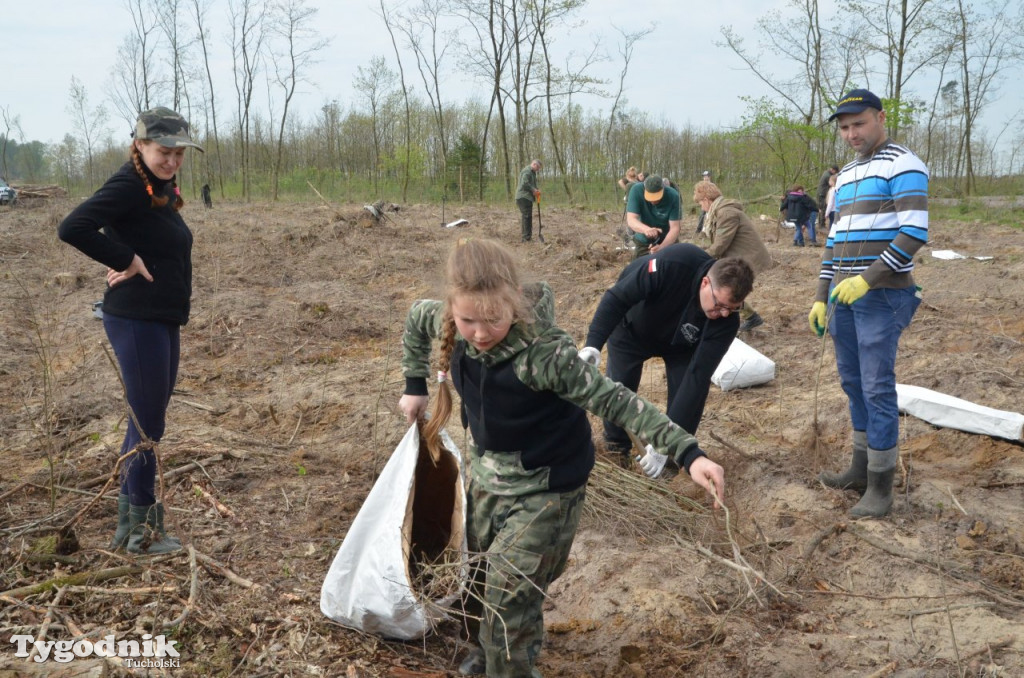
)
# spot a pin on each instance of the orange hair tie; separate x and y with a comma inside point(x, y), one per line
point(149, 189)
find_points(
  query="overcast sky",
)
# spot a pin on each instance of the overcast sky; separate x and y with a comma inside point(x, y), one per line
point(678, 73)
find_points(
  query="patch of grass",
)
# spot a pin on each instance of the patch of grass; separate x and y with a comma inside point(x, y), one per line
point(971, 210)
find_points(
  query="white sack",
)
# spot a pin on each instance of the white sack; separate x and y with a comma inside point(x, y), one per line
point(369, 585)
point(945, 410)
point(743, 366)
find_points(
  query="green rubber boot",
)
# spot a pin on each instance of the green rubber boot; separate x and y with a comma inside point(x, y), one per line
point(877, 500)
point(146, 535)
point(120, 539)
point(855, 477)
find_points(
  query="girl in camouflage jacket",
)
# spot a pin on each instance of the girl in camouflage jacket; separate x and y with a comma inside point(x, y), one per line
point(524, 393)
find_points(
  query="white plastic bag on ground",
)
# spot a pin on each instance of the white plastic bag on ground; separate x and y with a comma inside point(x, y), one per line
point(743, 366)
point(414, 513)
point(951, 412)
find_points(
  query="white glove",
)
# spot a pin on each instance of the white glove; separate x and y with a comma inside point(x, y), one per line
point(589, 354)
point(652, 463)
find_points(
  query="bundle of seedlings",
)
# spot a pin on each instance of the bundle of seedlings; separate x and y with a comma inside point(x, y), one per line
point(624, 501)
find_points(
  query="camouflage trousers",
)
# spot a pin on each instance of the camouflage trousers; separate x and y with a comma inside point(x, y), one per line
point(526, 541)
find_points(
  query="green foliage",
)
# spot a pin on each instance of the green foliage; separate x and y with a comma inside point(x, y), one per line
point(899, 114)
point(466, 176)
point(768, 125)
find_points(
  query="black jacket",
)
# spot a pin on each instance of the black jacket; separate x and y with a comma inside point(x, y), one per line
point(117, 223)
point(656, 305)
point(798, 207)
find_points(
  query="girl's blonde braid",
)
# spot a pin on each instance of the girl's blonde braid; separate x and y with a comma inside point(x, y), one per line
point(443, 402)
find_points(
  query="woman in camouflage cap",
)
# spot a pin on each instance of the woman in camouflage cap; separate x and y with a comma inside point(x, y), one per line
point(132, 225)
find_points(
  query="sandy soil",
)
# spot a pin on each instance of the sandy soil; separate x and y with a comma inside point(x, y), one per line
point(289, 384)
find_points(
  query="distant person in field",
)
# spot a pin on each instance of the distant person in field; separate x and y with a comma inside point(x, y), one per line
point(796, 208)
point(132, 225)
point(732, 234)
point(830, 203)
point(207, 200)
point(822, 196)
point(628, 179)
point(706, 178)
point(653, 215)
point(527, 194)
point(866, 294)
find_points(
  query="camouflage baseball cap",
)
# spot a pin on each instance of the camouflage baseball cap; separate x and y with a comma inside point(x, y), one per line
point(165, 127)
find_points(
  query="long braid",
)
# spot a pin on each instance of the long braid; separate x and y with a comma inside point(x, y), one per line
point(179, 202)
point(154, 199)
point(443, 402)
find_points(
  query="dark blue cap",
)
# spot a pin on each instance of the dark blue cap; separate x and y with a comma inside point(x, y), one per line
point(855, 101)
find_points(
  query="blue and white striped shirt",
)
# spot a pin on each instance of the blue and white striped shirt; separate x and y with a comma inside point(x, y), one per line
point(882, 222)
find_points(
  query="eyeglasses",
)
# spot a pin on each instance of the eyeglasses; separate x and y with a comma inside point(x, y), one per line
point(719, 305)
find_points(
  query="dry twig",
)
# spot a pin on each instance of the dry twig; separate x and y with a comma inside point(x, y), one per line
point(192, 590)
point(72, 579)
point(222, 570)
point(47, 620)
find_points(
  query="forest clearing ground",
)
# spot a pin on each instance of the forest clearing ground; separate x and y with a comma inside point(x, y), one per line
point(288, 387)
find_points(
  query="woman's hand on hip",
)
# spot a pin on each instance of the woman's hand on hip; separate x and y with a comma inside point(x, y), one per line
point(137, 267)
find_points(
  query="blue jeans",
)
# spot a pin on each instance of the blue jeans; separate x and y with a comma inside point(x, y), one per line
point(866, 335)
point(147, 353)
point(811, 223)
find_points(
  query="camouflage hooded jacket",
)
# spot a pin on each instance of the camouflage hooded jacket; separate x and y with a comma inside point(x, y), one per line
point(523, 400)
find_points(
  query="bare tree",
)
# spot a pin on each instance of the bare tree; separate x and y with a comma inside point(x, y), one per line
point(797, 41)
point(376, 84)
point(126, 91)
point(488, 60)
point(561, 83)
point(167, 19)
point(405, 98)
point(429, 44)
point(199, 10)
point(821, 61)
point(10, 122)
point(521, 87)
point(626, 48)
point(88, 122)
point(291, 22)
point(134, 77)
point(247, 36)
point(144, 20)
point(905, 35)
point(989, 40)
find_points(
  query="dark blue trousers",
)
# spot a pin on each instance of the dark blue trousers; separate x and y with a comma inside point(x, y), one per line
point(148, 353)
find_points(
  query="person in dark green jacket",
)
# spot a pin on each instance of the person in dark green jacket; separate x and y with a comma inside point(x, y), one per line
point(525, 393)
point(526, 195)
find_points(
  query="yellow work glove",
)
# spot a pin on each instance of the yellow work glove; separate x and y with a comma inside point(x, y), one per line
point(849, 290)
point(817, 318)
point(536, 194)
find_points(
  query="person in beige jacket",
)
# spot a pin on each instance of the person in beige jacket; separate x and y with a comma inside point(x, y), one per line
point(732, 234)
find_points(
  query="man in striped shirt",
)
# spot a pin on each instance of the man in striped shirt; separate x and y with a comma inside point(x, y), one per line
point(866, 294)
